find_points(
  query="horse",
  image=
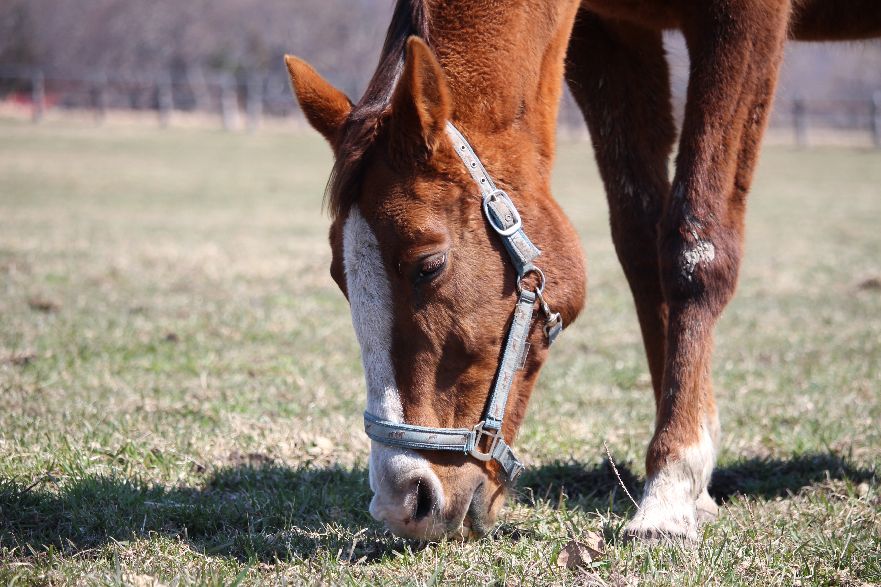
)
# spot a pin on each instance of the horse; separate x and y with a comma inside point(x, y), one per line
point(442, 221)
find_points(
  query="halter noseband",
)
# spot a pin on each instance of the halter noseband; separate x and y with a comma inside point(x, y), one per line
point(504, 219)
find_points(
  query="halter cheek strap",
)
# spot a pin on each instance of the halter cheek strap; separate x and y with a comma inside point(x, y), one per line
point(497, 207)
point(502, 216)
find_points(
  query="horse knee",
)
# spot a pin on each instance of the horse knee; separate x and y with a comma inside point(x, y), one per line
point(699, 264)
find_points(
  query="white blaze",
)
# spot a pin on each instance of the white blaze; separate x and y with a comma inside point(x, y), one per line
point(370, 298)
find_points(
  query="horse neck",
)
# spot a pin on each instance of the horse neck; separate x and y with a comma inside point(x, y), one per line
point(505, 67)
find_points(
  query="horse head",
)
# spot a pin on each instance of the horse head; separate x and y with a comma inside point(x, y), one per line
point(431, 286)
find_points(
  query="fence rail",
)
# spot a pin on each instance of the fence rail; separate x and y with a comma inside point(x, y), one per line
point(242, 101)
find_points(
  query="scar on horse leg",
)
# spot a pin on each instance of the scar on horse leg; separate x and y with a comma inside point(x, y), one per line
point(734, 74)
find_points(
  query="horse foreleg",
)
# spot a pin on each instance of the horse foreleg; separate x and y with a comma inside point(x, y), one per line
point(735, 50)
point(619, 77)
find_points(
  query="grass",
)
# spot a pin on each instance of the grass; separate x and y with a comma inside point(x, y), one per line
point(180, 388)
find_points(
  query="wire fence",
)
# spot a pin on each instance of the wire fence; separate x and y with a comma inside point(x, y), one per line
point(247, 100)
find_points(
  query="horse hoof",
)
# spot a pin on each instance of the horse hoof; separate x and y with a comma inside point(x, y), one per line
point(706, 508)
point(659, 526)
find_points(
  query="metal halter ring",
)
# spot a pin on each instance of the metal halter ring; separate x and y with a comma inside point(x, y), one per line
point(541, 283)
point(479, 433)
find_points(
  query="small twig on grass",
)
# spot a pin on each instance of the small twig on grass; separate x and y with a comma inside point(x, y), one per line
point(37, 481)
point(34, 484)
point(618, 475)
point(355, 539)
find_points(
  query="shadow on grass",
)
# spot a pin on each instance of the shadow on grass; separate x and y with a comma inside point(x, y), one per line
point(263, 512)
point(251, 512)
point(770, 478)
point(597, 486)
point(588, 486)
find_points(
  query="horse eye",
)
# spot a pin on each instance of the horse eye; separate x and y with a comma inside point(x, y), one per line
point(430, 267)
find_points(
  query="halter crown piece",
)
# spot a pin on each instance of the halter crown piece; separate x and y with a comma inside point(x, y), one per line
point(504, 219)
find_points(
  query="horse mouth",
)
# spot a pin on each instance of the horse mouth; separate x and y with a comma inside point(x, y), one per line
point(474, 525)
point(428, 524)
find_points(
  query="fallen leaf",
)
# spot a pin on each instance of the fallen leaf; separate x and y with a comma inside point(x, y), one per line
point(871, 283)
point(44, 305)
point(596, 543)
point(22, 358)
point(581, 553)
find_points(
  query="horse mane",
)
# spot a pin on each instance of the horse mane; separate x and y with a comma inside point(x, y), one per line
point(361, 128)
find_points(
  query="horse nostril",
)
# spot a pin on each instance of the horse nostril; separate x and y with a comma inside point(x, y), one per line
point(424, 500)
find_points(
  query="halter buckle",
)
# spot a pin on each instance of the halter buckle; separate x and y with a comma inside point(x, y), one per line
point(479, 433)
point(501, 196)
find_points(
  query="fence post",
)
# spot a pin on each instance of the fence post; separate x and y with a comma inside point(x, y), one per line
point(164, 100)
point(228, 102)
point(99, 99)
point(255, 102)
point(38, 95)
point(800, 121)
point(876, 119)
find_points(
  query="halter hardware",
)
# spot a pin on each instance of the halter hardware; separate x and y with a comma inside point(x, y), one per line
point(479, 433)
point(541, 281)
point(513, 219)
point(503, 218)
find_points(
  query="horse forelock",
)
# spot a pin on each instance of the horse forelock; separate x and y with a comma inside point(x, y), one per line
point(360, 131)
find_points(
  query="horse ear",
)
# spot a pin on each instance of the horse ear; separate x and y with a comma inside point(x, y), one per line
point(325, 107)
point(421, 104)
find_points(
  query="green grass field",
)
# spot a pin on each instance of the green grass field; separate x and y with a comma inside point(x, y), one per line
point(181, 390)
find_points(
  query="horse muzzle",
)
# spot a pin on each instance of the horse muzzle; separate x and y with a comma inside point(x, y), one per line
point(416, 504)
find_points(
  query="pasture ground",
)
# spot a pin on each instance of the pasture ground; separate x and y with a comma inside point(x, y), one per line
point(180, 388)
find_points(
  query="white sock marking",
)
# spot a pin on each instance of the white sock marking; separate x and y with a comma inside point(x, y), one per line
point(668, 502)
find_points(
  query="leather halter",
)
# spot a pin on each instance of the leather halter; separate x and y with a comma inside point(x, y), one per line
point(504, 219)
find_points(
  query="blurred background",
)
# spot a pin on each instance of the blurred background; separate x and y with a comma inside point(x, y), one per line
point(223, 59)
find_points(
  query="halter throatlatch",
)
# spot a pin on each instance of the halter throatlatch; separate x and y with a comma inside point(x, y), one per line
point(484, 441)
